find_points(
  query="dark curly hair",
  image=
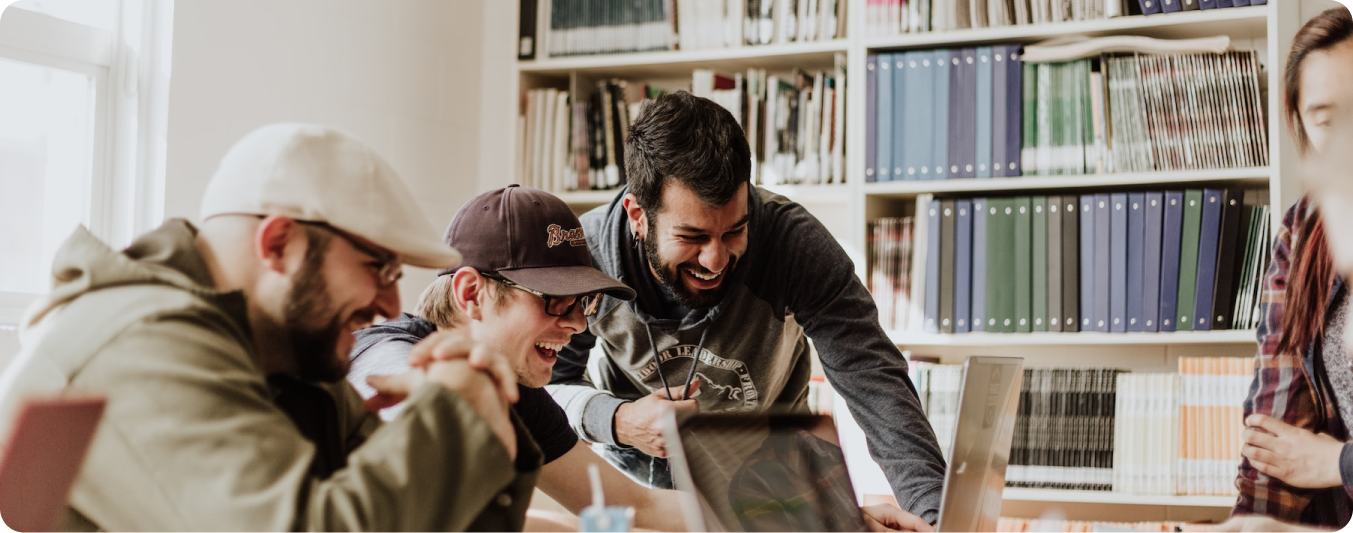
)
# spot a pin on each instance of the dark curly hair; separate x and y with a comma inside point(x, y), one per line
point(691, 140)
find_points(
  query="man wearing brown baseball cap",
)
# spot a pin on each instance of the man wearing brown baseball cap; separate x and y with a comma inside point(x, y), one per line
point(524, 288)
point(221, 349)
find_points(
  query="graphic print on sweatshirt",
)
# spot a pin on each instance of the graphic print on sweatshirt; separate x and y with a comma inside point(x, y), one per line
point(726, 384)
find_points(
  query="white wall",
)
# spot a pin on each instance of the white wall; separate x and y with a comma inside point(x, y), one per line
point(404, 76)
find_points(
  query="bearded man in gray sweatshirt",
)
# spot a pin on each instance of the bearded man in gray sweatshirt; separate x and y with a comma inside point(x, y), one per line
point(732, 281)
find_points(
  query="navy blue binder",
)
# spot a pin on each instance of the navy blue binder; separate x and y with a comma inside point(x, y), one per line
point(939, 75)
point(1258, 2)
point(1118, 265)
point(883, 166)
point(1172, 6)
point(999, 115)
point(956, 112)
point(1071, 257)
point(1149, 7)
point(1136, 233)
point(1087, 263)
point(932, 268)
point(1241, 3)
point(1209, 237)
point(1154, 216)
point(1224, 4)
point(1207, 4)
point(1172, 231)
point(902, 106)
point(963, 266)
point(1103, 266)
point(1014, 106)
point(948, 212)
point(985, 93)
point(871, 119)
point(980, 209)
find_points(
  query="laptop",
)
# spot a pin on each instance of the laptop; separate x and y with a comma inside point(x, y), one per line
point(42, 457)
point(786, 472)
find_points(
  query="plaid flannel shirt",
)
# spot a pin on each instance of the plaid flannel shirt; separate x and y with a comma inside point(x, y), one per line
point(1282, 388)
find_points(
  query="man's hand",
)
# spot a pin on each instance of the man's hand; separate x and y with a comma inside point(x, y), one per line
point(392, 389)
point(1251, 523)
point(1291, 454)
point(483, 394)
point(639, 423)
point(884, 517)
point(456, 344)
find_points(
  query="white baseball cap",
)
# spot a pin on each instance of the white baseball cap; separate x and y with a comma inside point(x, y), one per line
point(320, 174)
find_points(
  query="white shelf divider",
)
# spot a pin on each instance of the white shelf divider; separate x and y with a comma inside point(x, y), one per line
point(677, 59)
point(587, 197)
point(1257, 175)
point(1088, 338)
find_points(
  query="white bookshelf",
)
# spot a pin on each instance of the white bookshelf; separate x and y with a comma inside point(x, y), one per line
point(1114, 498)
point(846, 209)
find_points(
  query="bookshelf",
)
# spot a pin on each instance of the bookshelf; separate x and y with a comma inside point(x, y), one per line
point(846, 209)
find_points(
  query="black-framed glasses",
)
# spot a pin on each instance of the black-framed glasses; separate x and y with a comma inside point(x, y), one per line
point(555, 305)
point(389, 269)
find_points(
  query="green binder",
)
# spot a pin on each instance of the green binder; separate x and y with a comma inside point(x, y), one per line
point(1000, 265)
point(1023, 213)
point(1039, 271)
point(1188, 258)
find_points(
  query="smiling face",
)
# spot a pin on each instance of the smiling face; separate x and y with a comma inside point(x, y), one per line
point(334, 293)
point(514, 323)
point(692, 248)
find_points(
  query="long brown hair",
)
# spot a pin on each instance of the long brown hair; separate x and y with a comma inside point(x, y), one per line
point(1312, 274)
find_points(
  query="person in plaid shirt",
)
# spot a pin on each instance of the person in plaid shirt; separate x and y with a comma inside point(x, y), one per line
point(1297, 466)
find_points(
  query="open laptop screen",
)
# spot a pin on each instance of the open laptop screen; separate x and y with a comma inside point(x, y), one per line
point(764, 473)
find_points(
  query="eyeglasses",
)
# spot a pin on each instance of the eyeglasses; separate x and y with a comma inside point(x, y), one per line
point(556, 305)
point(388, 268)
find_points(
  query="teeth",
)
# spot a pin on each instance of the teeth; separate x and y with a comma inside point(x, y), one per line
point(703, 276)
point(550, 346)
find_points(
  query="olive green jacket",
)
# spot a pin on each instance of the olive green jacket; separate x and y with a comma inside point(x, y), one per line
point(192, 438)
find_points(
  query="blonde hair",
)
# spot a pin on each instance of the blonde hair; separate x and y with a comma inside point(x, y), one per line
point(437, 303)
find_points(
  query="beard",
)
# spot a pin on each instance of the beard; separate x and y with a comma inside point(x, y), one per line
point(670, 276)
point(314, 348)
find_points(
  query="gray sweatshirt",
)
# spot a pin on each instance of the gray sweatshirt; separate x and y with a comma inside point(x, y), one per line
point(793, 283)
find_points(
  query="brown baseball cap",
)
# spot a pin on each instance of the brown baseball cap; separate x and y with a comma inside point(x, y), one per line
point(532, 238)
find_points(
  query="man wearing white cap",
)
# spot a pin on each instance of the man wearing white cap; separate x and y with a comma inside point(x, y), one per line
point(222, 351)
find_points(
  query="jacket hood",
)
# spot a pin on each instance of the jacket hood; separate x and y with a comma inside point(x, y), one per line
point(407, 327)
point(166, 256)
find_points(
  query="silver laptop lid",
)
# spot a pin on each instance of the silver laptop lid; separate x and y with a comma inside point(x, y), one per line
point(973, 483)
point(762, 472)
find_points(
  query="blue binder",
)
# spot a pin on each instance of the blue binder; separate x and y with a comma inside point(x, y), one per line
point(1173, 6)
point(1136, 241)
point(872, 118)
point(1208, 4)
point(1172, 231)
point(985, 96)
point(1103, 267)
point(939, 75)
point(1220, 5)
point(920, 136)
point(932, 269)
point(1014, 108)
point(999, 114)
point(967, 114)
point(884, 164)
point(1154, 211)
point(979, 264)
point(1149, 7)
point(963, 253)
point(1087, 269)
point(1118, 265)
point(1208, 238)
point(902, 106)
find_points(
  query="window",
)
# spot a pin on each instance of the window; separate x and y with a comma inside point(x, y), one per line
point(82, 99)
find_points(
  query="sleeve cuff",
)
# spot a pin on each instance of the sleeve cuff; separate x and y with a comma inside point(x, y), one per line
point(599, 419)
